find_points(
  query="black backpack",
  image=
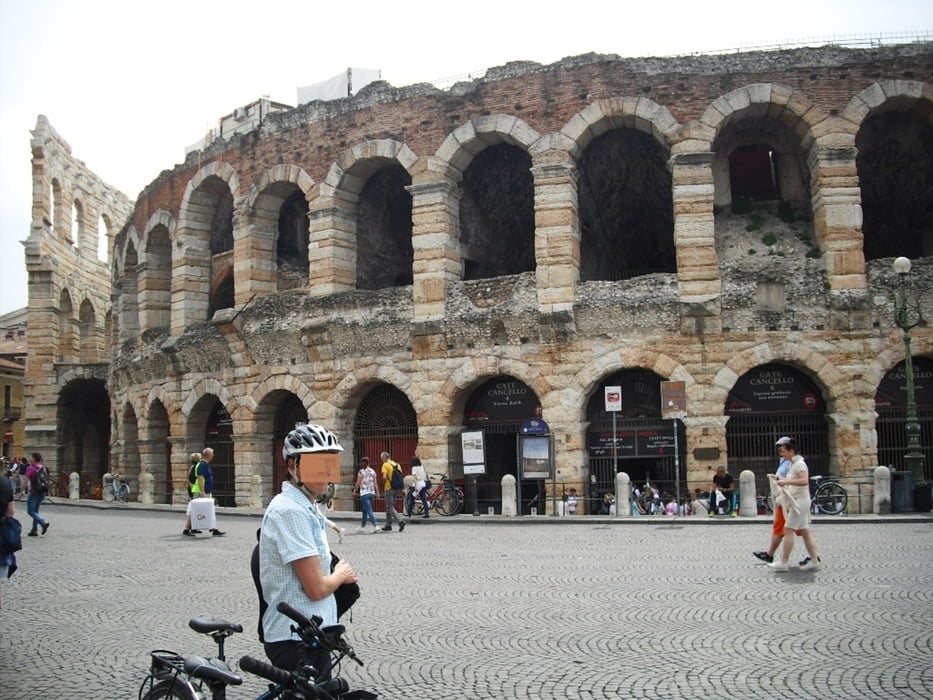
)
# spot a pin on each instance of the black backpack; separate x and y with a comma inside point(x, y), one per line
point(193, 474)
point(40, 480)
point(398, 477)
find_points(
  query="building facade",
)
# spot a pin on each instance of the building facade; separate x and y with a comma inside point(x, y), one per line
point(411, 263)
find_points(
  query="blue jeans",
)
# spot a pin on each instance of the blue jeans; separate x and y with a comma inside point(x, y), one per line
point(32, 508)
point(366, 500)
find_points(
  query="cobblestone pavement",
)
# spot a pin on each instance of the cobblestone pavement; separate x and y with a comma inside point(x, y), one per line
point(479, 608)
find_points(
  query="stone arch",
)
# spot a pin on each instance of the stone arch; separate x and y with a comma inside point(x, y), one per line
point(208, 386)
point(278, 258)
point(365, 193)
point(68, 349)
point(155, 278)
point(197, 235)
point(894, 149)
point(279, 382)
point(161, 395)
point(639, 113)
point(90, 335)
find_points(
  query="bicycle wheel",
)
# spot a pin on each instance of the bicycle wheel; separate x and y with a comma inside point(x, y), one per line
point(109, 494)
point(831, 498)
point(448, 503)
point(171, 689)
point(124, 493)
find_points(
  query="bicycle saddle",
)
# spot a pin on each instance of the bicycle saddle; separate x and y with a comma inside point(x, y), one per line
point(211, 669)
point(209, 626)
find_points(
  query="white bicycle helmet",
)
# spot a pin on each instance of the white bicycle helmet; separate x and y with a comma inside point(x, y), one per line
point(307, 439)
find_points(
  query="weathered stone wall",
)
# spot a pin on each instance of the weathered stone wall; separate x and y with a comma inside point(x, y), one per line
point(439, 338)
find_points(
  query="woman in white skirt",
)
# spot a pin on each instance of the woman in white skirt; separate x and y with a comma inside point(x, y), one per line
point(793, 495)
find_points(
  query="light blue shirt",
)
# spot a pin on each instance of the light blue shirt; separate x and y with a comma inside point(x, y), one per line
point(292, 529)
point(783, 468)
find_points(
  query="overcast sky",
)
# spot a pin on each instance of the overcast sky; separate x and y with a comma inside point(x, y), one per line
point(128, 85)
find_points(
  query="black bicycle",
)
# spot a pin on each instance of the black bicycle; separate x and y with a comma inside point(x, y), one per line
point(828, 496)
point(173, 676)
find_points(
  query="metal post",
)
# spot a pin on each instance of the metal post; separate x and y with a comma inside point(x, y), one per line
point(908, 315)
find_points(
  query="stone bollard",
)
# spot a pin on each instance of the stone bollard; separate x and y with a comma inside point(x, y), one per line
point(882, 487)
point(255, 492)
point(146, 486)
point(509, 496)
point(748, 496)
point(74, 486)
point(623, 495)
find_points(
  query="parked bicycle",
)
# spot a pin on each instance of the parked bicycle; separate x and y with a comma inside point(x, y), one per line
point(174, 676)
point(116, 487)
point(444, 497)
point(828, 496)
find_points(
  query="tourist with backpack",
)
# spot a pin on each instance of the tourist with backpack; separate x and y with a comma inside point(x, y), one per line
point(37, 476)
point(394, 486)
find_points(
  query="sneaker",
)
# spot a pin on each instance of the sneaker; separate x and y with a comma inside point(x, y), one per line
point(375, 530)
point(33, 534)
point(712, 514)
point(360, 530)
point(45, 528)
point(810, 565)
point(401, 526)
point(764, 556)
point(734, 514)
point(778, 566)
point(217, 533)
point(188, 533)
point(195, 532)
point(387, 528)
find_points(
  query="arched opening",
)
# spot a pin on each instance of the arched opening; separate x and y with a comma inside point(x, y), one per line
point(891, 405)
point(384, 248)
point(497, 226)
point(84, 429)
point(385, 422)
point(634, 440)
point(626, 208)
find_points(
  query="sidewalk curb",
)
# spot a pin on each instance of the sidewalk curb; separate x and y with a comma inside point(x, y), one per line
point(652, 520)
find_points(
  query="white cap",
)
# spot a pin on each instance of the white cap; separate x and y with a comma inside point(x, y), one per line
point(784, 440)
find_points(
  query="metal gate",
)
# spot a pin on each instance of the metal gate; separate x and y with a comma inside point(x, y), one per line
point(892, 440)
point(750, 441)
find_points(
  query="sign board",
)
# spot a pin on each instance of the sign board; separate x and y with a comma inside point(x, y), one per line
point(474, 452)
point(647, 441)
point(536, 457)
point(673, 400)
point(613, 398)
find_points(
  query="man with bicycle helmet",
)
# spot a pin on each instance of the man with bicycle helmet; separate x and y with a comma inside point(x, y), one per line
point(294, 557)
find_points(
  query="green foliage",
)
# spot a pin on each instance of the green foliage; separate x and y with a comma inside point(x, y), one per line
point(769, 239)
point(752, 251)
point(755, 224)
point(814, 253)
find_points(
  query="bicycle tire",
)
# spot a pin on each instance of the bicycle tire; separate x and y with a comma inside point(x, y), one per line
point(448, 503)
point(109, 494)
point(124, 493)
point(831, 498)
point(171, 689)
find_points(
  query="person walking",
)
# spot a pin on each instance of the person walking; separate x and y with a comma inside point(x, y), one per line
point(420, 484)
point(388, 469)
point(203, 487)
point(37, 477)
point(365, 487)
point(794, 497)
point(193, 461)
point(777, 526)
point(294, 556)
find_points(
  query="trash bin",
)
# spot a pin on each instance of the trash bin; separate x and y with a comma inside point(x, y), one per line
point(902, 491)
point(923, 498)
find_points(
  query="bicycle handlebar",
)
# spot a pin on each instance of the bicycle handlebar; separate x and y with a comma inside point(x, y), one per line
point(284, 678)
point(329, 639)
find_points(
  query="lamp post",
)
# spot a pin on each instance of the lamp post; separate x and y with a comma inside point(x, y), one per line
point(908, 314)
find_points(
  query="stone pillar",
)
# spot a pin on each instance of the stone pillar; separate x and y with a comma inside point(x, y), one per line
point(152, 460)
point(695, 242)
point(74, 486)
point(748, 494)
point(435, 234)
point(182, 446)
point(837, 217)
point(253, 460)
point(332, 245)
point(623, 495)
point(882, 489)
point(509, 496)
point(146, 484)
point(557, 231)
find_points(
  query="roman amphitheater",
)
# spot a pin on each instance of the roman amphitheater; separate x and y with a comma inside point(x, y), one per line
point(533, 257)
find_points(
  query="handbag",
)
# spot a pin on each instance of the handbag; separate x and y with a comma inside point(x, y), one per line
point(347, 594)
point(11, 535)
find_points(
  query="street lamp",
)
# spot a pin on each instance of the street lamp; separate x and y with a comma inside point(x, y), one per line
point(908, 314)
